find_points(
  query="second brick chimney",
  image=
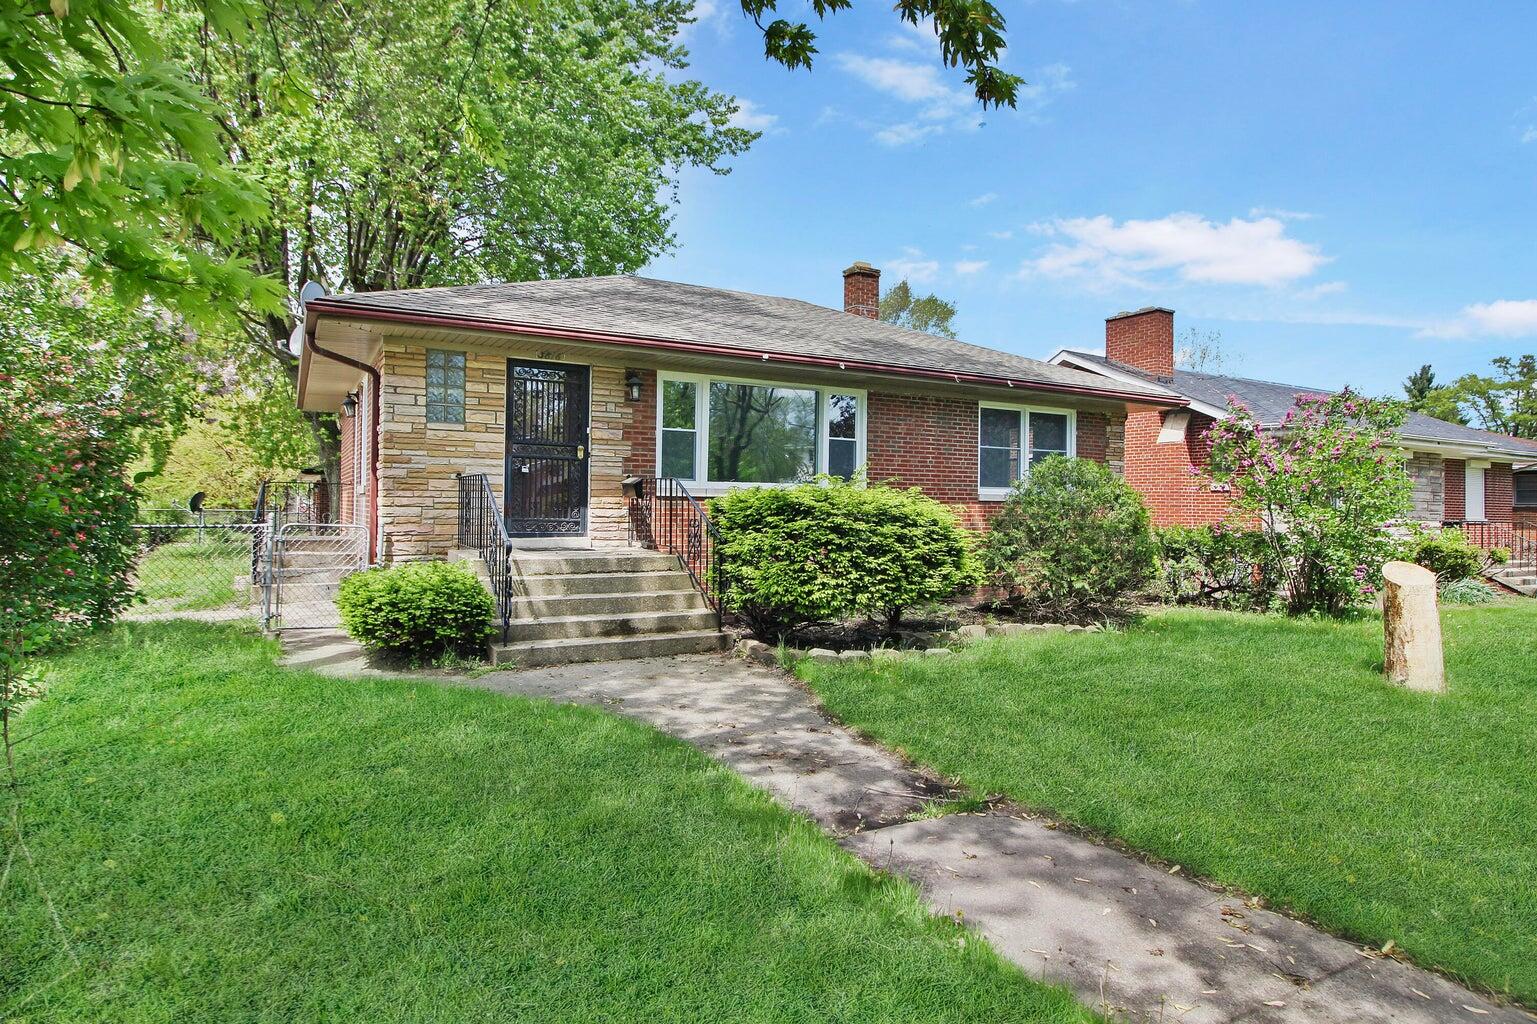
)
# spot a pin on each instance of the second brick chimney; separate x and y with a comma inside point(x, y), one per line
point(1143, 339)
point(862, 290)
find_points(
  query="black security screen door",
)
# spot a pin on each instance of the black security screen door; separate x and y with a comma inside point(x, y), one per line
point(546, 449)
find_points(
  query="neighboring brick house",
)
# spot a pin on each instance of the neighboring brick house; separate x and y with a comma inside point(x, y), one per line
point(620, 376)
point(1460, 474)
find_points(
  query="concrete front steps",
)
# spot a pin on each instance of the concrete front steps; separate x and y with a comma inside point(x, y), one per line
point(1518, 576)
point(601, 604)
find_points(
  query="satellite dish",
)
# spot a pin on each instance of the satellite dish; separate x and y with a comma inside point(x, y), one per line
point(311, 290)
point(296, 340)
point(195, 503)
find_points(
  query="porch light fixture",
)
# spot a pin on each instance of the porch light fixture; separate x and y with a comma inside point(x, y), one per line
point(350, 404)
point(632, 384)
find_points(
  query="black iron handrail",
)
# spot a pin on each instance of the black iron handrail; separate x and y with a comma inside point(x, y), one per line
point(482, 528)
point(1520, 541)
point(665, 517)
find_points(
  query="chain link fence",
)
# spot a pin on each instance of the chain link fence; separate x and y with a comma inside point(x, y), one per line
point(218, 564)
point(209, 563)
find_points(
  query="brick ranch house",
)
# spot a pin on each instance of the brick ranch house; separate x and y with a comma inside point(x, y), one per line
point(1460, 474)
point(550, 393)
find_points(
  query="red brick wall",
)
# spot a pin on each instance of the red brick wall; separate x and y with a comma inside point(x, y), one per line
point(1144, 339)
point(1525, 518)
point(1456, 490)
point(640, 428)
point(1499, 493)
point(347, 470)
point(862, 291)
point(924, 441)
point(1161, 472)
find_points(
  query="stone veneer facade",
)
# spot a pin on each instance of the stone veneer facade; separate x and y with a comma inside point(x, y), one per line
point(912, 439)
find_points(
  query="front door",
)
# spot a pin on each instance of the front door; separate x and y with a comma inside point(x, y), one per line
point(546, 449)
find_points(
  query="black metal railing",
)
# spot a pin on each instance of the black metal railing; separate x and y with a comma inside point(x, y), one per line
point(1520, 541)
point(482, 528)
point(664, 516)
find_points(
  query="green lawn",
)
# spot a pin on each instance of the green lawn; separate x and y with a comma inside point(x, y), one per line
point(192, 575)
point(230, 841)
point(1266, 753)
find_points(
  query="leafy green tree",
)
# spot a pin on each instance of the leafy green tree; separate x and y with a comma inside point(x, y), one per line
point(1423, 394)
point(1324, 489)
point(114, 154)
point(970, 33)
point(1505, 401)
point(441, 143)
point(927, 313)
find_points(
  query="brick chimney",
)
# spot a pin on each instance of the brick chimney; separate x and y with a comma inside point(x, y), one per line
point(1143, 339)
point(862, 290)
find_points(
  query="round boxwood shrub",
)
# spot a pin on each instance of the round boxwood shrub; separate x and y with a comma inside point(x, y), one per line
point(1071, 544)
point(831, 549)
point(1447, 553)
point(417, 611)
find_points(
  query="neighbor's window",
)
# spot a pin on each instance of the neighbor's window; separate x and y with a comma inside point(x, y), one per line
point(680, 431)
point(1526, 489)
point(1002, 446)
point(728, 432)
point(445, 386)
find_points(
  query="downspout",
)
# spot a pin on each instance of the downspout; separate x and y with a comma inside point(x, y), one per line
point(373, 440)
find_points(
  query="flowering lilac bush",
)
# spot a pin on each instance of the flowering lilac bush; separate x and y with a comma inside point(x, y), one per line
point(1325, 487)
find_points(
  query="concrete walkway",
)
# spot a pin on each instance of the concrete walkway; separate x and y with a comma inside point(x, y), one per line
point(1134, 941)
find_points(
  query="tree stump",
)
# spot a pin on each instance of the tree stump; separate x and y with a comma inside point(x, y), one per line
point(1411, 625)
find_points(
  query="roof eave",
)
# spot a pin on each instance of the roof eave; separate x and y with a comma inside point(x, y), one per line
point(323, 307)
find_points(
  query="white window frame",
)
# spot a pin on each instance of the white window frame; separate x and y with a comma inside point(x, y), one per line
point(1001, 493)
point(702, 381)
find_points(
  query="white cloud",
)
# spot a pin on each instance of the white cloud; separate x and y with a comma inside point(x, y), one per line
point(916, 38)
point(970, 266)
point(937, 104)
point(752, 117)
point(983, 199)
point(712, 14)
point(1318, 291)
point(1101, 252)
point(1002, 236)
point(1503, 318)
point(1280, 214)
point(902, 134)
point(913, 266)
point(1530, 135)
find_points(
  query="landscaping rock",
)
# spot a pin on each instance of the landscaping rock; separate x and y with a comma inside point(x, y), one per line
point(970, 634)
point(853, 655)
point(886, 654)
point(933, 651)
point(752, 649)
point(822, 655)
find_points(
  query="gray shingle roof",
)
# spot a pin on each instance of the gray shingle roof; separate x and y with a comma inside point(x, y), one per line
point(665, 310)
point(1269, 401)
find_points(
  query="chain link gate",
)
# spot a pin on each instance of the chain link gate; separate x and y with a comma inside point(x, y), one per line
point(306, 566)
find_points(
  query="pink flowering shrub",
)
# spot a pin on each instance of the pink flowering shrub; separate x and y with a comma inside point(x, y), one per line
point(87, 388)
point(1324, 488)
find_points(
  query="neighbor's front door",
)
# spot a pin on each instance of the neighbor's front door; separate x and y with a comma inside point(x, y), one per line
point(546, 449)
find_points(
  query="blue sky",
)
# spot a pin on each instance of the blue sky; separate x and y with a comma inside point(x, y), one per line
point(1344, 191)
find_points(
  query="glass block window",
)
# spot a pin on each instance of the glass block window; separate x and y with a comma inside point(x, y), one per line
point(445, 386)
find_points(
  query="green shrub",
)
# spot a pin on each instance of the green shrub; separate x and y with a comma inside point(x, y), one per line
point(1447, 553)
point(419, 611)
point(1218, 566)
point(1071, 543)
point(831, 549)
point(1468, 591)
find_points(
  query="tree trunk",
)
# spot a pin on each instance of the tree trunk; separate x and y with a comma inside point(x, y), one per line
point(1411, 626)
